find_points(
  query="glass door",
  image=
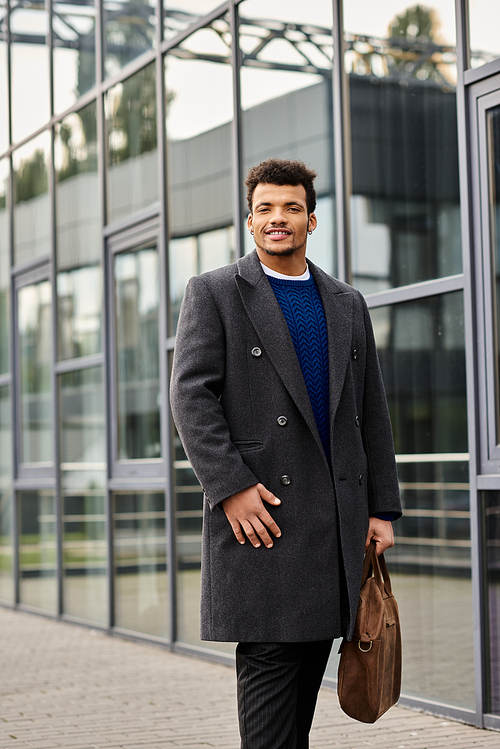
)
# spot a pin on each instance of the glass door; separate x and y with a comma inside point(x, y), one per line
point(485, 162)
point(135, 356)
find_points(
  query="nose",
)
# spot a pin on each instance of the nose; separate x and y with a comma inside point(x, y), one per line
point(278, 217)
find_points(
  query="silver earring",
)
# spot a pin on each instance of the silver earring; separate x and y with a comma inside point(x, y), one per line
point(310, 232)
point(251, 232)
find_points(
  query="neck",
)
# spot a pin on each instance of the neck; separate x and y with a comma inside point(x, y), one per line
point(292, 265)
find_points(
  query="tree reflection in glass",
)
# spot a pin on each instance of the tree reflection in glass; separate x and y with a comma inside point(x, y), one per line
point(79, 243)
point(132, 173)
point(35, 372)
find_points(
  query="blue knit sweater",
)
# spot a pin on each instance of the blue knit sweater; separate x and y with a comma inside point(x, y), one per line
point(302, 307)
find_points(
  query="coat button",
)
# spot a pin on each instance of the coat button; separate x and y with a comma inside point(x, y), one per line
point(360, 479)
point(357, 421)
point(355, 354)
point(256, 351)
point(286, 480)
point(282, 421)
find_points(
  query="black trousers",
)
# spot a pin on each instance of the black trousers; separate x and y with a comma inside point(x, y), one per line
point(277, 685)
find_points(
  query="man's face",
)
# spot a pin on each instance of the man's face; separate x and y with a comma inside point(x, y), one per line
point(279, 219)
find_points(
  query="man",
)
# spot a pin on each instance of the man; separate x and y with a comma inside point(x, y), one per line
point(279, 401)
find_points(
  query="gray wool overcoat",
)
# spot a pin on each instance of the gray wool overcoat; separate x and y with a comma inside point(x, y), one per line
point(241, 406)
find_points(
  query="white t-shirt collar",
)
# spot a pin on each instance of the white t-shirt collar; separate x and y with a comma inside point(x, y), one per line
point(304, 277)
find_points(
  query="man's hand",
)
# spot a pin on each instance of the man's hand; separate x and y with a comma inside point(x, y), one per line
point(248, 516)
point(382, 533)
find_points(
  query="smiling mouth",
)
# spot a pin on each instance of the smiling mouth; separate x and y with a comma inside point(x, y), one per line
point(278, 233)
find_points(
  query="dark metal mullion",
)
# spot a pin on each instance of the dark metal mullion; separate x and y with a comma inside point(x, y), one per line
point(165, 435)
point(12, 349)
point(52, 274)
point(237, 135)
point(341, 120)
point(101, 166)
point(471, 358)
point(9, 76)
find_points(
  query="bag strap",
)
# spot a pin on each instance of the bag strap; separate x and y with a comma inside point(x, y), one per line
point(379, 567)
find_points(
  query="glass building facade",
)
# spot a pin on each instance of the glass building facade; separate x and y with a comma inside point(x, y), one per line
point(126, 129)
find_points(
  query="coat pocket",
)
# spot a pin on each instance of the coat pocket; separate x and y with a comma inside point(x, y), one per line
point(248, 446)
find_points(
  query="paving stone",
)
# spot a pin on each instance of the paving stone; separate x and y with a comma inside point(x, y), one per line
point(64, 686)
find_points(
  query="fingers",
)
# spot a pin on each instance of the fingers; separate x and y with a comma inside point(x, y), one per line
point(249, 518)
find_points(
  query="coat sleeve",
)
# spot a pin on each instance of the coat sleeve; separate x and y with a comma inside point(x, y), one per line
point(196, 385)
point(383, 487)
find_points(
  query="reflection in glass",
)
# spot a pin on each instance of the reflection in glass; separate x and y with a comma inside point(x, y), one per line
point(484, 22)
point(132, 174)
point(422, 355)
point(137, 357)
point(35, 358)
point(405, 213)
point(73, 31)
point(200, 165)
point(493, 122)
point(79, 282)
point(29, 27)
point(83, 480)
point(188, 503)
point(6, 546)
point(140, 559)
point(37, 549)
point(130, 30)
point(4, 269)
point(286, 75)
point(491, 512)
point(190, 256)
point(4, 108)
point(32, 225)
point(179, 14)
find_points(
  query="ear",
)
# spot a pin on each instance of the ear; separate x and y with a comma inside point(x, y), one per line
point(250, 222)
point(312, 223)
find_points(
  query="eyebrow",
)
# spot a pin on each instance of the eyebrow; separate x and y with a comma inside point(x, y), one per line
point(291, 202)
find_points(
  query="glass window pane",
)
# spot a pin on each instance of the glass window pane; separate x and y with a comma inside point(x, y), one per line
point(484, 22)
point(4, 109)
point(4, 269)
point(37, 549)
point(491, 511)
point(286, 75)
point(73, 30)
point(188, 502)
point(200, 163)
point(137, 353)
point(79, 243)
point(6, 546)
point(405, 212)
point(32, 221)
point(35, 367)
point(29, 26)
point(179, 14)
point(132, 174)
point(83, 482)
point(130, 30)
point(422, 355)
point(140, 559)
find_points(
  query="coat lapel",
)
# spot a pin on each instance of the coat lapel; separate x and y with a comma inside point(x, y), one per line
point(262, 308)
point(338, 312)
point(270, 325)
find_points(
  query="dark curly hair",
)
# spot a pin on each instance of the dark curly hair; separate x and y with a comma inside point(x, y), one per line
point(282, 172)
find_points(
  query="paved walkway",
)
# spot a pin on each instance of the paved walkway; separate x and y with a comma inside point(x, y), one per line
point(66, 686)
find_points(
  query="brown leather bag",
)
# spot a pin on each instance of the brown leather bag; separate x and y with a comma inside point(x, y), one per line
point(369, 676)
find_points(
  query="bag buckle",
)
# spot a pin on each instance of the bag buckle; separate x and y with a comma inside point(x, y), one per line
point(368, 649)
